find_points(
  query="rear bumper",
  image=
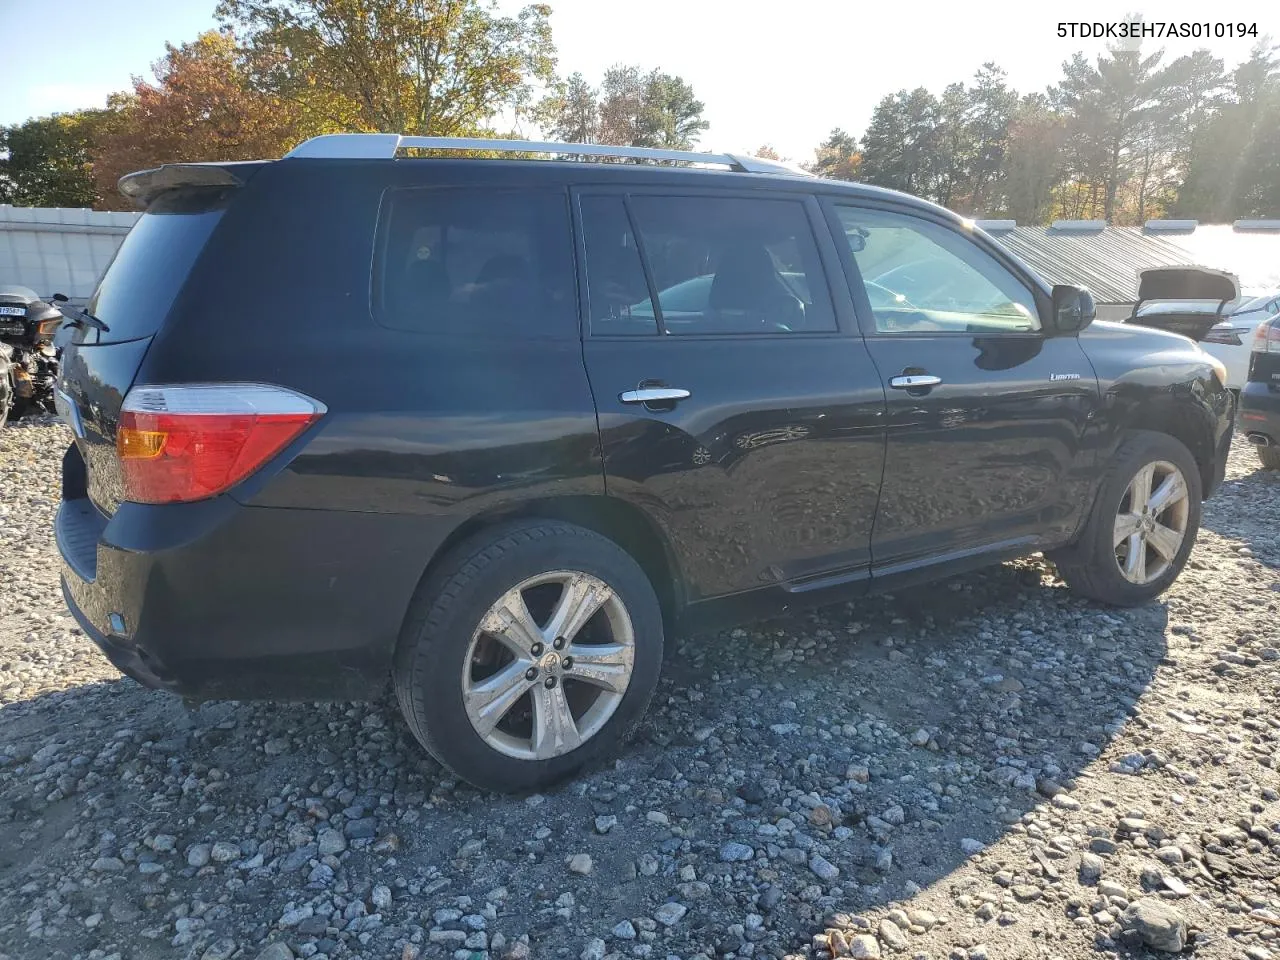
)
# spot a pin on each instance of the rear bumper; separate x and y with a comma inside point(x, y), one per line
point(216, 599)
point(1260, 413)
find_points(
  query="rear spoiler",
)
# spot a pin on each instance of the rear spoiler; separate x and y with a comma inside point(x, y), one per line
point(145, 185)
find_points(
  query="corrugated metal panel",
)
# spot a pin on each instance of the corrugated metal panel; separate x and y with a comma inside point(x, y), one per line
point(1106, 261)
point(57, 249)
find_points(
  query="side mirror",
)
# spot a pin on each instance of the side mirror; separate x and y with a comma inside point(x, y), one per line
point(59, 298)
point(1073, 308)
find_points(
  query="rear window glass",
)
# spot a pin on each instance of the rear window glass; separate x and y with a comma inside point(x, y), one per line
point(478, 262)
point(134, 296)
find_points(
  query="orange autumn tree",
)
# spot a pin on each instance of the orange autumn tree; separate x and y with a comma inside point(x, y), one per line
point(200, 107)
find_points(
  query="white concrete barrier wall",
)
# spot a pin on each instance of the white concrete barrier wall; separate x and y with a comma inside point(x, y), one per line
point(59, 249)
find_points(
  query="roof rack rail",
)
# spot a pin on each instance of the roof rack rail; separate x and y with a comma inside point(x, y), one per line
point(385, 146)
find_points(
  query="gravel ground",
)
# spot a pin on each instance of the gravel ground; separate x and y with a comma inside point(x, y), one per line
point(984, 768)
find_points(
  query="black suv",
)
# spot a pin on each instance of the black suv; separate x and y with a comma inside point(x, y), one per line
point(491, 428)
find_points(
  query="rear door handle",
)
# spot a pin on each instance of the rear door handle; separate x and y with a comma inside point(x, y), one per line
point(914, 381)
point(654, 395)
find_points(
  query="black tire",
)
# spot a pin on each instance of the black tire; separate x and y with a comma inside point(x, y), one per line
point(1089, 566)
point(446, 612)
point(1270, 457)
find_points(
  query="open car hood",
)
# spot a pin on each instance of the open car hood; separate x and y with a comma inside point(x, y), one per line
point(1185, 300)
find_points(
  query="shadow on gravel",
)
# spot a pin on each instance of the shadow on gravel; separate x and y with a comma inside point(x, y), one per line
point(849, 753)
point(1247, 509)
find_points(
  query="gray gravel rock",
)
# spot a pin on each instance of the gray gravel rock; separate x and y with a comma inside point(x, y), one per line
point(823, 868)
point(330, 842)
point(670, 914)
point(1090, 868)
point(734, 851)
point(624, 930)
point(1161, 926)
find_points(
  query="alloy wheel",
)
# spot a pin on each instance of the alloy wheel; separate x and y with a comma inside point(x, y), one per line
point(548, 665)
point(1151, 523)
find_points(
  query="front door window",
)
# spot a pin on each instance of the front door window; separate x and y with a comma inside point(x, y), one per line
point(921, 277)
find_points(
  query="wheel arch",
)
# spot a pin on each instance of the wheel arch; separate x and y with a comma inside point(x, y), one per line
point(619, 520)
point(1187, 423)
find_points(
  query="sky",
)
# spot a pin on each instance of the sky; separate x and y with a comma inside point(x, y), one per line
point(778, 73)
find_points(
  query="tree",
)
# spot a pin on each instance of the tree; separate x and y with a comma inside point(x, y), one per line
point(649, 110)
point(900, 147)
point(201, 107)
point(837, 156)
point(1109, 105)
point(1233, 160)
point(766, 151)
point(955, 150)
point(992, 106)
point(48, 162)
point(427, 67)
point(631, 108)
point(1032, 166)
point(570, 113)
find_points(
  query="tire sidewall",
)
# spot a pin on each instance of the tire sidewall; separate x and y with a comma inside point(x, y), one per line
point(1143, 449)
point(436, 662)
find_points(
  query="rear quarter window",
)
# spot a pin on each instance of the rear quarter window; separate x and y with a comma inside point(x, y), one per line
point(476, 262)
point(135, 294)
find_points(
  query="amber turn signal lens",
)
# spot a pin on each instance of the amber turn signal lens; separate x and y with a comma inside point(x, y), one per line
point(134, 444)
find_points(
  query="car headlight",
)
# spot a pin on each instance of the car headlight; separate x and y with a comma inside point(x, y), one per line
point(1219, 368)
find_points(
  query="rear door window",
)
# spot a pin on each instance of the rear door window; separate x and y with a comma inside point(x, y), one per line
point(617, 294)
point(477, 262)
point(715, 265)
point(134, 296)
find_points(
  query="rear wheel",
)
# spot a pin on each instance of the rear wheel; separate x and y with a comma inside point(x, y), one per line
point(1270, 457)
point(1143, 525)
point(532, 651)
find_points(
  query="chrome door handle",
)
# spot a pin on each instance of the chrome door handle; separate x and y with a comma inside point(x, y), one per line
point(914, 381)
point(653, 395)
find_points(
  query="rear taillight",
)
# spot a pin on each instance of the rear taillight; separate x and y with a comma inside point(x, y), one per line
point(1224, 333)
point(183, 443)
point(1266, 339)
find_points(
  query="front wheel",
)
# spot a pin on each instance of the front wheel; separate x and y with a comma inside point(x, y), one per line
point(529, 653)
point(1143, 525)
point(1270, 457)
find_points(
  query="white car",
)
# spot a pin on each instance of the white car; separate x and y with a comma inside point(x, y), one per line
point(1207, 306)
point(1230, 340)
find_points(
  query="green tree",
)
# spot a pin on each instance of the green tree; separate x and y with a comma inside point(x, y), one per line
point(428, 67)
point(1109, 105)
point(48, 162)
point(1233, 163)
point(653, 109)
point(837, 156)
point(1031, 169)
point(955, 150)
point(900, 149)
point(570, 113)
point(992, 106)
